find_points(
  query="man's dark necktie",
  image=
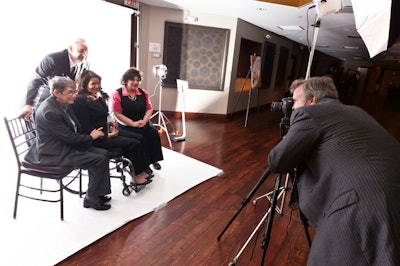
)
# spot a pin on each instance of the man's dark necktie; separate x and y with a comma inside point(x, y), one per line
point(72, 74)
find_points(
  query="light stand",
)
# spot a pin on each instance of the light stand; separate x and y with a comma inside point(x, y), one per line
point(182, 86)
point(323, 8)
point(310, 59)
point(160, 72)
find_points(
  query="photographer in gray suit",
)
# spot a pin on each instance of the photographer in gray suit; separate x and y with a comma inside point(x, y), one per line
point(348, 177)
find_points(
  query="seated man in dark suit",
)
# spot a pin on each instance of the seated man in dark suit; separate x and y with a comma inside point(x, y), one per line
point(59, 142)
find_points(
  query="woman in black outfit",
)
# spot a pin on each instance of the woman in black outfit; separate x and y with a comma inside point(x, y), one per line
point(91, 109)
point(133, 109)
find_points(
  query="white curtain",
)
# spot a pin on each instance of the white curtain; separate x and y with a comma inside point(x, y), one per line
point(30, 29)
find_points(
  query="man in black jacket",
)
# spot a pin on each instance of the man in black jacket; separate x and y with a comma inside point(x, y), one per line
point(70, 62)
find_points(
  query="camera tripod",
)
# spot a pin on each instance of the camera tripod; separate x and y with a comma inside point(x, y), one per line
point(279, 193)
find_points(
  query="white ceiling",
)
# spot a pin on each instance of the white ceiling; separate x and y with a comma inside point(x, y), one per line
point(337, 30)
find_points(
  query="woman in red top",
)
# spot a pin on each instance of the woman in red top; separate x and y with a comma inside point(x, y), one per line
point(132, 108)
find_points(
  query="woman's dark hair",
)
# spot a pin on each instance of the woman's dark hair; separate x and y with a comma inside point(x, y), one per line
point(130, 74)
point(84, 79)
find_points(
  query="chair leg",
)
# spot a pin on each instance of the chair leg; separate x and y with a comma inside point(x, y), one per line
point(41, 185)
point(61, 200)
point(80, 183)
point(17, 195)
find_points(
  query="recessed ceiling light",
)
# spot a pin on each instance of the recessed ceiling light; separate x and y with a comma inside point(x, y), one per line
point(351, 47)
point(290, 27)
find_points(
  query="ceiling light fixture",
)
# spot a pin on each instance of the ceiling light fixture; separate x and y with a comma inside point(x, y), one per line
point(351, 47)
point(191, 19)
point(290, 27)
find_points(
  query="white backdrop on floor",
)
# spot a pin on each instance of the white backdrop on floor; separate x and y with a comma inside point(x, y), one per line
point(39, 237)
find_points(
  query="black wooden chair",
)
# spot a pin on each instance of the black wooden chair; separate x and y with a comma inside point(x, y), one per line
point(22, 134)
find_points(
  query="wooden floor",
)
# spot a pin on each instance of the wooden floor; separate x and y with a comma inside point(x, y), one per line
point(185, 231)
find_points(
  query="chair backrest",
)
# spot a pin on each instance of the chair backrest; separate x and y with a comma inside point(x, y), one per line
point(22, 134)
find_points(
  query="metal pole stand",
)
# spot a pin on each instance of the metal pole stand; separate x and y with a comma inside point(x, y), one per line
point(248, 98)
point(182, 87)
point(162, 117)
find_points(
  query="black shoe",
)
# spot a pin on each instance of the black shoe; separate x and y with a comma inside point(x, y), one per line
point(105, 199)
point(148, 170)
point(157, 166)
point(99, 205)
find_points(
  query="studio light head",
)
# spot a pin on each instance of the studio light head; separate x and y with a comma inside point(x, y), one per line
point(160, 71)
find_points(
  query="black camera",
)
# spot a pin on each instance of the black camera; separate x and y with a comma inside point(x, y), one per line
point(285, 105)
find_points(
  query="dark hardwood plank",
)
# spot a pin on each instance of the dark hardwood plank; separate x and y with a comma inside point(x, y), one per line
point(185, 231)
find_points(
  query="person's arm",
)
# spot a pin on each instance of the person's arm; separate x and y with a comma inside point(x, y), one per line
point(149, 111)
point(147, 116)
point(296, 145)
point(116, 108)
point(44, 70)
point(123, 120)
point(57, 124)
point(27, 112)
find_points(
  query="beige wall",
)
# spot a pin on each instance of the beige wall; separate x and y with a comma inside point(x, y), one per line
point(261, 97)
point(152, 30)
point(205, 101)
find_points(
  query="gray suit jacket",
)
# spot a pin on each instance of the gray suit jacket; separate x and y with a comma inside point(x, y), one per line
point(57, 139)
point(349, 183)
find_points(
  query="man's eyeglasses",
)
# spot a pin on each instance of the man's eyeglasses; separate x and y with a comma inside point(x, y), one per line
point(70, 92)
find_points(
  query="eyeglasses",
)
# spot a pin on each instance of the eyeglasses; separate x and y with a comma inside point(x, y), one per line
point(70, 92)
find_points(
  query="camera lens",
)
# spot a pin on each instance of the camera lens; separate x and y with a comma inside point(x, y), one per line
point(276, 106)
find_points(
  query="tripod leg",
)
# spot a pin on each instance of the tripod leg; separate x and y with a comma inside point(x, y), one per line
point(268, 213)
point(247, 199)
point(266, 237)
